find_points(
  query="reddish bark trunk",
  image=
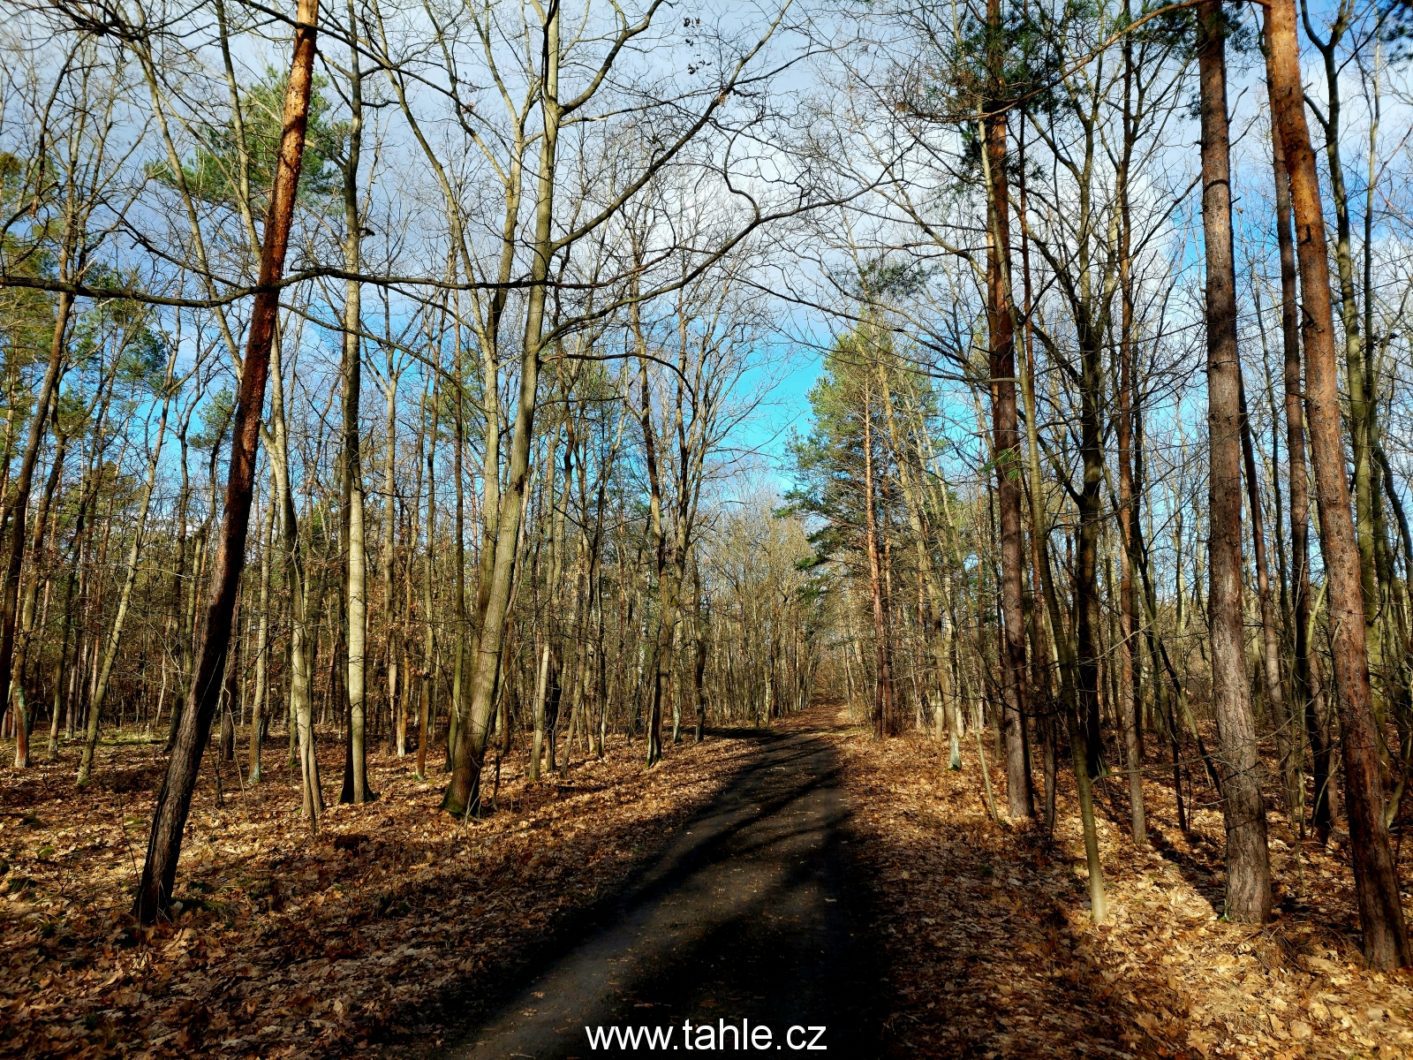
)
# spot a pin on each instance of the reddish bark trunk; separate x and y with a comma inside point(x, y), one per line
point(154, 893)
point(1302, 679)
point(1375, 878)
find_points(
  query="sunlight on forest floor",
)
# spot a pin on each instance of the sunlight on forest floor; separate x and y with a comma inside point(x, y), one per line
point(287, 944)
point(986, 929)
point(377, 931)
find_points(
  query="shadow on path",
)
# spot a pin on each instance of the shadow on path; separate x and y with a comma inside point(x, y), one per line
point(749, 915)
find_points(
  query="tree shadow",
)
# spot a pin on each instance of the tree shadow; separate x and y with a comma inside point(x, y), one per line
point(1199, 872)
point(988, 950)
point(752, 913)
point(1200, 865)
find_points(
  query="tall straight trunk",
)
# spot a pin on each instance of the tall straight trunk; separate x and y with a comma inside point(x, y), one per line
point(1248, 896)
point(302, 601)
point(154, 892)
point(230, 693)
point(179, 583)
point(17, 504)
point(396, 646)
point(70, 662)
point(456, 724)
point(664, 551)
point(23, 718)
point(463, 794)
point(882, 647)
point(538, 711)
point(1302, 683)
point(699, 661)
point(429, 636)
point(661, 567)
point(1086, 588)
point(1397, 665)
point(543, 691)
point(565, 650)
point(1375, 876)
point(663, 640)
point(1039, 530)
point(1130, 705)
point(61, 660)
point(1000, 320)
point(947, 584)
point(1363, 404)
point(260, 701)
point(355, 780)
point(933, 607)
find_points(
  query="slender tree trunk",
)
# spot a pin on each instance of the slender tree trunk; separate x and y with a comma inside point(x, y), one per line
point(1270, 635)
point(1000, 319)
point(115, 633)
point(882, 646)
point(1086, 588)
point(541, 691)
point(429, 642)
point(398, 673)
point(1248, 860)
point(260, 701)
point(230, 693)
point(1363, 403)
point(60, 662)
point(1375, 876)
point(1302, 680)
point(355, 783)
point(699, 662)
point(154, 892)
point(463, 794)
point(18, 503)
point(305, 593)
point(1130, 705)
point(23, 717)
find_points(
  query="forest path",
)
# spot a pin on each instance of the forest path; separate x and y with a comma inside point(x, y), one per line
point(751, 913)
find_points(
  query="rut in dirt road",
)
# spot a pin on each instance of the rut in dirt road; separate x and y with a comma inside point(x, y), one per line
point(748, 916)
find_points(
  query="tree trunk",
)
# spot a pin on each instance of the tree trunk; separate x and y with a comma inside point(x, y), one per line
point(1248, 860)
point(1000, 319)
point(1270, 635)
point(1302, 681)
point(23, 717)
point(429, 637)
point(154, 892)
point(18, 503)
point(355, 782)
point(463, 794)
point(1130, 705)
point(260, 701)
point(1375, 877)
point(115, 634)
point(882, 647)
point(1086, 589)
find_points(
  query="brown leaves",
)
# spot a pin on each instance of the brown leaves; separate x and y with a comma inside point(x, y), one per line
point(289, 944)
point(987, 933)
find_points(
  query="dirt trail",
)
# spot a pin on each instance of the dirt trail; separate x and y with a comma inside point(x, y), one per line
point(749, 915)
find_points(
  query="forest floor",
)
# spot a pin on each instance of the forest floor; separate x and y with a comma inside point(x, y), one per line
point(989, 950)
point(754, 917)
point(374, 932)
point(767, 875)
